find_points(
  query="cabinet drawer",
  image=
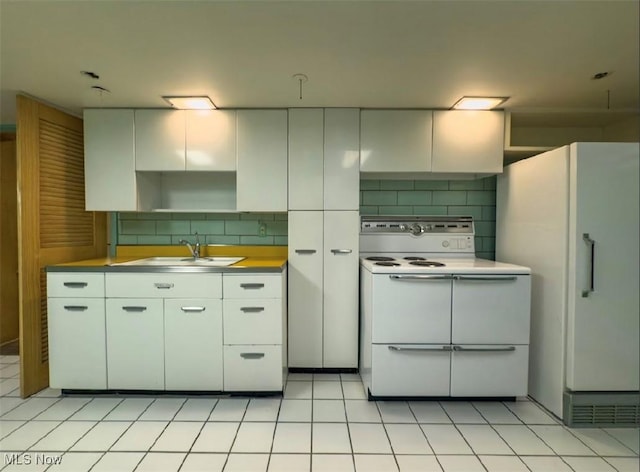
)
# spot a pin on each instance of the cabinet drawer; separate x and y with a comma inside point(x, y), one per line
point(491, 309)
point(253, 321)
point(485, 370)
point(253, 286)
point(164, 285)
point(75, 284)
point(77, 351)
point(253, 368)
point(193, 344)
point(410, 369)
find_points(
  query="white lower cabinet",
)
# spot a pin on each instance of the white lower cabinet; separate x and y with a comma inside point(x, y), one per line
point(193, 344)
point(135, 344)
point(253, 367)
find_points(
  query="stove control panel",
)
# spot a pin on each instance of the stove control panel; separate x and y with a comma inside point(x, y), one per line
point(417, 225)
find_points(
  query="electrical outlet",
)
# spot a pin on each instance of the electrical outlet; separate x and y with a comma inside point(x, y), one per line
point(262, 231)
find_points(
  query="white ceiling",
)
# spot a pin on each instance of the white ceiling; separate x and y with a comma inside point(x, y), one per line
point(405, 54)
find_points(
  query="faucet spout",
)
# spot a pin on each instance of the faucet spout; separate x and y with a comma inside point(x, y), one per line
point(194, 249)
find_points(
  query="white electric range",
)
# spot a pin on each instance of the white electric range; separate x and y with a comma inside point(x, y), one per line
point(435, 320)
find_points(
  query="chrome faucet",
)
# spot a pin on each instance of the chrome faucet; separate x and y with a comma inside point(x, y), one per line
point(194, 249)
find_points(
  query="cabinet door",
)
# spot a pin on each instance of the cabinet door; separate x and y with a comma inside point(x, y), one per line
point(341, 159)
point(491, 309)
point(305, 288)
point(395, 140)
point(340, 294)
point(306, 158)
point(77, 351)
point(193, 344)
point(468, 141)
point(135, 344)
point(253, 368)
point(160, 140)
point(262, 160)
point(109, 161)
point(211, 140)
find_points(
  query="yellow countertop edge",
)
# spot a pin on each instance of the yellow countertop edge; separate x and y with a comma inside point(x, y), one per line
point(255, 256)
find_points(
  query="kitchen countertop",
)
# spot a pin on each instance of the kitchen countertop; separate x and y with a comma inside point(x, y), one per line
point(257, 259)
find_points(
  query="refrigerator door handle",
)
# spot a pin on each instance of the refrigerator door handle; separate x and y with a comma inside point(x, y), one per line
point(591, 252)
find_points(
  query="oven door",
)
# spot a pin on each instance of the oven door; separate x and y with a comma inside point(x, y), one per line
point(410, 308)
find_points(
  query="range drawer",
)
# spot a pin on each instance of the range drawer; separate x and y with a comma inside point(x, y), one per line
point(253, 286)
point(253, 321)
point(164, 285)
point(410, 369)
point(253, 368)
point(75, 284)
point(489, 370)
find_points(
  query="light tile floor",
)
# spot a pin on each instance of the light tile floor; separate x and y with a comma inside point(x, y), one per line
point(322, 423)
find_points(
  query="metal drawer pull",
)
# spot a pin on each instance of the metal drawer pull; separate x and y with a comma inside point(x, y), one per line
point(484, 349)
point(252, 309)
point(591, 253)
point(252, 286)
point(486, 278)
point(75, 284)
point(421, 277)
point(193, 309)
point(163, 285)
point(252, 355)
point(305, 251)
point(430, 348)
point(341, 251)
point(134, 308)
point(75, 307)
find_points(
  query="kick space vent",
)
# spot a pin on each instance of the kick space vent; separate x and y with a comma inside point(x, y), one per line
point(597, 415)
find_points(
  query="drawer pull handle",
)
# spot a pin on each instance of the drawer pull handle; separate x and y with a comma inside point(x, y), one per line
point(251, 286)
point(486, 278)
point(429, 348)
point(193, 309)
point(76, 307)
point(341, 251)
point(252, 309)
point(252, 355)
point(484, 349)
point(305, 251)
point(134, 308)
point(163, 285)
point(75, 284)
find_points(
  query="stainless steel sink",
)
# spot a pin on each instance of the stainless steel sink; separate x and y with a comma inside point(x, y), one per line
point(183, 261)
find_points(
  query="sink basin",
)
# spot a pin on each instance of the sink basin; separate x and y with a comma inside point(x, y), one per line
point(184, 261)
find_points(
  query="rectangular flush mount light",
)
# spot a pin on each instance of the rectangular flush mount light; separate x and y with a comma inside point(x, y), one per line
point(479, 103)
point(191, 103)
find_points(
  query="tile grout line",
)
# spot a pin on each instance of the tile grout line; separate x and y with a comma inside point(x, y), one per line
point(462, 435)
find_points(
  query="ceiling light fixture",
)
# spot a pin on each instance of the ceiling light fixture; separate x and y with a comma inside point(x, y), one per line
point(479, 103)
point(191, 103)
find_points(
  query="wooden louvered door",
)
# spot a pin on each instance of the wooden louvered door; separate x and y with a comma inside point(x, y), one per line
point(53, 226)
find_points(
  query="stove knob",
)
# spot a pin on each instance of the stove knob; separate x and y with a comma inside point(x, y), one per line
point(416, 229)
point(404, 228)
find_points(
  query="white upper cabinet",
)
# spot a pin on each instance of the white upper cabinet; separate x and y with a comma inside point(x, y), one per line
point(109, 160)
point(211, 140)
point(160, 140)
point(306, 158)
point(341, 159)
point(468, 141)
point(262, 160)
point(395, 140)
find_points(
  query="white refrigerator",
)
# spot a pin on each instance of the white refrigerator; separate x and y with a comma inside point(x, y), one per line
point(571, 214)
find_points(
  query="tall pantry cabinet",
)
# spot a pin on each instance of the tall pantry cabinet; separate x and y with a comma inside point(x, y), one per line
point(324, 163)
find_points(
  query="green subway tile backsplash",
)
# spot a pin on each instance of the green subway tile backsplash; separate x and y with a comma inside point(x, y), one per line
point(475, 198)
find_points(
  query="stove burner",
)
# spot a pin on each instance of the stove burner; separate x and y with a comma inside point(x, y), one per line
point(414, 258)
point(379, 258)
point(387, 264)
point(427, 263)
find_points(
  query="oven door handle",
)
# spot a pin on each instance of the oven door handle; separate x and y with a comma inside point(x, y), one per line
point(485, 278)
point(484, 349)
point(421, 277)
point(428, 348)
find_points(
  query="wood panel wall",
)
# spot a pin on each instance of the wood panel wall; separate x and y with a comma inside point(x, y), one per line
point(52, 224)
point(8, 240)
